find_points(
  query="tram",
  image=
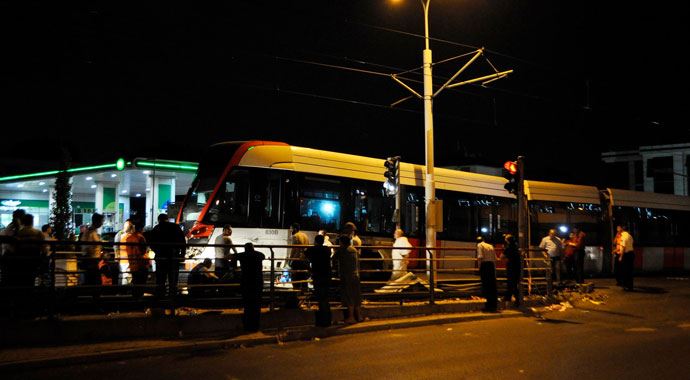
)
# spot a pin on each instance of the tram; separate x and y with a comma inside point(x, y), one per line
point(261, 187)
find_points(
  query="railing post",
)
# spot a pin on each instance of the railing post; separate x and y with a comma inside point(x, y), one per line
point(51, 276)
point(272, 281)
point(549, 276)
point(432, 282)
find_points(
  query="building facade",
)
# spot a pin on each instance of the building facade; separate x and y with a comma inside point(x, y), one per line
point(655, 168)
point(139, 189)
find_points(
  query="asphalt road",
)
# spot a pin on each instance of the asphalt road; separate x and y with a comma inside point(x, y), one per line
point(637, 335)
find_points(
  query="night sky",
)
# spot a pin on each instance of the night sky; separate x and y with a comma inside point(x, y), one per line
point(105, 79)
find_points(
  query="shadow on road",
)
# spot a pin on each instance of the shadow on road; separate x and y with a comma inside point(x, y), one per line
point(649, 290)
point(611, 312)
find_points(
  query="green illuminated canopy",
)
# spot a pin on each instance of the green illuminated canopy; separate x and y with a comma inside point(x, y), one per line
point(120, 164)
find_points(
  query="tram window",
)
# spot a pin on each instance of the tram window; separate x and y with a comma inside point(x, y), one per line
point(319, 204)
point(319, 214)
point(681, 220)
point(506, 218)
point(412, 212)
point(656, 227)
point(460, 216)
point(231, 204)
point(271, 207)
point(373, 211)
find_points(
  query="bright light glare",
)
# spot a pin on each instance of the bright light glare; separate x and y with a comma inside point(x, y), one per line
point(390, 188)
point(484, 230)
point(89, 178)
point(563, 229)
point(327, 208)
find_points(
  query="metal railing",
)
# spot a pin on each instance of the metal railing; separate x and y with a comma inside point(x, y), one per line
point(59, 277)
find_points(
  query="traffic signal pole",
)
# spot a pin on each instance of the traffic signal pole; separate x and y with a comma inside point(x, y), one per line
point(523, 224)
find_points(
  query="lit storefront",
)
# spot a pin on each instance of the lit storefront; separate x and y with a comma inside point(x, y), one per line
point(139, 190)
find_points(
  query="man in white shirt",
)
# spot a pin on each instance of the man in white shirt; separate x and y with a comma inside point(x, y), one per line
point(399, 254)
point(486, 257)
point(553, 247)
point(625, 246)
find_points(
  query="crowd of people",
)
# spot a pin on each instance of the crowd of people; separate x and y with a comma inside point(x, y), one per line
point(308, 263)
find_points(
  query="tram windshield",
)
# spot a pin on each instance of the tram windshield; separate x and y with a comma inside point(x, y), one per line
point(211, 168)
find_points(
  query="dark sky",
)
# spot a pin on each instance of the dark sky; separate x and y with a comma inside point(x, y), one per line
point(166, 79)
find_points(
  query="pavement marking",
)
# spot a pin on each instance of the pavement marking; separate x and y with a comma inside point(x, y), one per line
point(641, 329)
point(397, 335)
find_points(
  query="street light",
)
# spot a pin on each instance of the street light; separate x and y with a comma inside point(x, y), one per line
point(428, 95)
point(429, 186)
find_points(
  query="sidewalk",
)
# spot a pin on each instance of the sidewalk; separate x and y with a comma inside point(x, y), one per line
point(84, 338)
point(27, 358)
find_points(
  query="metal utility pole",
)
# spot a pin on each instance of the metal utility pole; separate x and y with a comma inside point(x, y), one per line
point(429, 94)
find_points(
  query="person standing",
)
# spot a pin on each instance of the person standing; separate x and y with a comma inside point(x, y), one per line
point(513, 260)
point(579, 255)
point(346, 258)
point(319, 255)
point(8, 248)
point(121, 252)
point(138, 261)
point(28, 255)
point(224, 258)
point(47, 231)
point(169, 254)
point(553, 247)
point(251, 286)
point(92, 252)
point(350, 230)
point(569, 248)
point(400, 254)
point(298, 262)
point(486, 256)
point(625, 246)
point(617, 257)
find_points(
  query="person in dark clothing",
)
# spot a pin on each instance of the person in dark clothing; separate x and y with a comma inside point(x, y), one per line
point(201, 275)
point(579, 255)
point(167, 241)
point(88, 263)
point(27, 256)
point(320, 258)
point(251, 286)
point(350, 292)
point(513, 260)
point(8, 248)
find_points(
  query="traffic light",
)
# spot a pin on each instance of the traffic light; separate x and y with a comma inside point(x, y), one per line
point(392, 175)
point(510, 172)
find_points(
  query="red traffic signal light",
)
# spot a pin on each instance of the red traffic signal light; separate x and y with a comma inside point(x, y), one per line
point(511, 167)
point(510, 172)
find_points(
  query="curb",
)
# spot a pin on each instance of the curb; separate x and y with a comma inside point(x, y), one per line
point(290, 334)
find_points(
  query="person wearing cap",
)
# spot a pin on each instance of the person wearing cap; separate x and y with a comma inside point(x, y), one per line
point(486, 257)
